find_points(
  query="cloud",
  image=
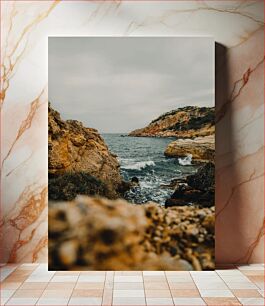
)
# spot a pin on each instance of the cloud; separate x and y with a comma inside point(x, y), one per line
point(120, 84)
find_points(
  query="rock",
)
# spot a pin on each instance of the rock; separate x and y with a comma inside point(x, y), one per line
point(201, 148)
point(101, 234)
point(185, 122)
point(135, 180)
point(67, 186)
point(198, 188)
point(204, 179)
point(74, 148)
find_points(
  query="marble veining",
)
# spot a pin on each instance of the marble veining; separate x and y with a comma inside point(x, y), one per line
point(238, 28)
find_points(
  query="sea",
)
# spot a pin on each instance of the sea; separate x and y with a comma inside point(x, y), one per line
point(143, 157)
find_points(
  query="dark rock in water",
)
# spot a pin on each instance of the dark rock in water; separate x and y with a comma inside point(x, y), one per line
point(204, 179)
point(65, 187)
point(197, 189)
point(135, 179)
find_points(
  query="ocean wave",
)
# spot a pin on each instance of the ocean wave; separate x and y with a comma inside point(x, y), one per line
point(185, 161)
point(139, 165)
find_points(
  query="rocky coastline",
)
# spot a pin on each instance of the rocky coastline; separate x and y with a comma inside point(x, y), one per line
point(185, 122)
point(194, 129)
point(101, 231)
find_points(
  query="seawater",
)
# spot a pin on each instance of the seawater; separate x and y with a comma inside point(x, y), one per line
point(144, 158)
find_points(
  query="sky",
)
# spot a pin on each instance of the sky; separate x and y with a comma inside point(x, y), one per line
point(117, 84)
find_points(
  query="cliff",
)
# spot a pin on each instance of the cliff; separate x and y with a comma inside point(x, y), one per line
point(79, 158)
point(201, 148)
point(185, 122)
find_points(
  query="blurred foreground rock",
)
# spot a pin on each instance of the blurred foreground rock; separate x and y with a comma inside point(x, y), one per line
point(100, 234)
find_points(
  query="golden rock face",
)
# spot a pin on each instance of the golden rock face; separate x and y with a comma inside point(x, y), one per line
point(201, 148)
point(186, 122)
point(75, 148)
point(100, 234)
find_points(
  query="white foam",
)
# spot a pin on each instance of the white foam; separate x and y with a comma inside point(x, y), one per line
point(185, 160)
point(139, 165)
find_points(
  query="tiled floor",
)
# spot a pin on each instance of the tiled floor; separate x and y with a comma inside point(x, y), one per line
point(33, 284)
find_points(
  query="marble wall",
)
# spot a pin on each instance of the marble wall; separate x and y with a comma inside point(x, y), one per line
point(237, 27)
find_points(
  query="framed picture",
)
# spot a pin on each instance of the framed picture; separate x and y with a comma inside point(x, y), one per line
point(131, 153)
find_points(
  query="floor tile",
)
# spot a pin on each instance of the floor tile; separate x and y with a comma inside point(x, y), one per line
point(253, 272)
point(87, 293)
point(85, 301)
point(216, 293)
point(6, 271)
point(67, 273)
point(153, 273)
point(261, 292)
point(252, 301)
point(93, 273)
point(56, 293)
point(182, 293)
point(155, 278)
point(211, 285)
point(241, 285)
point(156, 285)
point(28, 293)
point(159, 301)
point(246, 293)
point(182, 286)
point(128, 286)
point(107, 298)
point(53, 301)
point(16, 278)
point(232, 272)
point(66, 279)
point(61, 286)
point(22, 301)
point(157, 293)
point(215, 301)
point(202, 273)
point(235, 279)
point(122, 301)
point(3, 300)
point(260, 285)
point(177, 273)
point(39, 278)
point(128, 273)
point(40, 286)
point(128, 279)
point(179, 279)
point(251, 267)
point(91, 279)
point(7, 293)
point(128, 293)
point(188, 301)
point(255, 278)
point(10, 286)
point(86, 286)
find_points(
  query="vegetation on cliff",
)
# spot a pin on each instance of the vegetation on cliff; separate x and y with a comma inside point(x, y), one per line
point(185, 122)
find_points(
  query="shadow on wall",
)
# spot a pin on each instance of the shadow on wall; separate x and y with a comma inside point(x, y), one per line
point(225, 147)
point(223, 140)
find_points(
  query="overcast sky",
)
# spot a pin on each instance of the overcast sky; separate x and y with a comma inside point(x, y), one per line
point(120, 84)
